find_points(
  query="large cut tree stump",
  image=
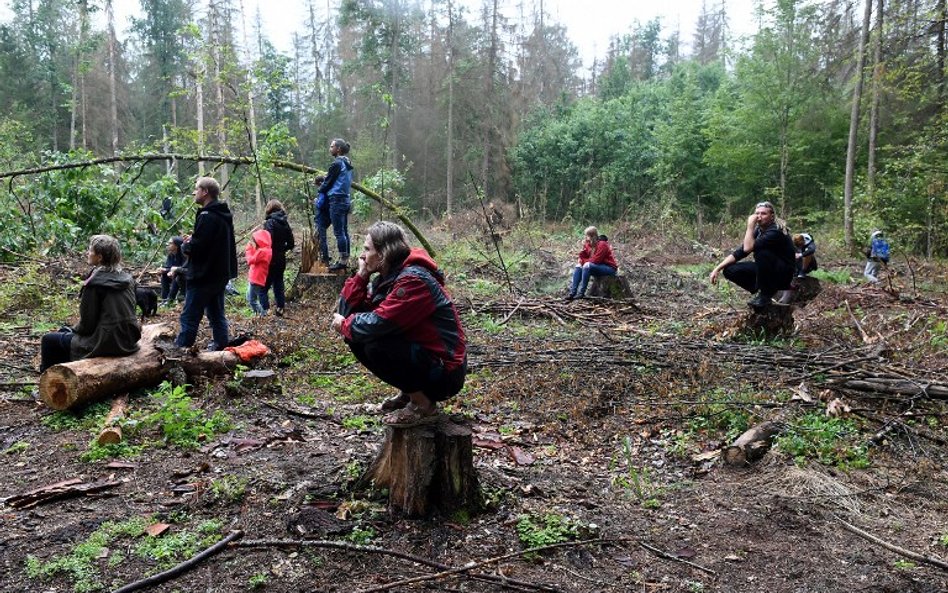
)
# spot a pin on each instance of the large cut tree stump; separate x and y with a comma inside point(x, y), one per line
point(610, 287)
point(76, 383)
point(426, 469)
point(774, 320)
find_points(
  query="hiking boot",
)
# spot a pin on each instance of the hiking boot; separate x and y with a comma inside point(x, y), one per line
point(278, 311)
point(338, 266)
point(761, 301)
point(569, 297)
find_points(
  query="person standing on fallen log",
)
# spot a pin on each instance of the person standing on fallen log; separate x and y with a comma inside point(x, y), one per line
point(403, 325)
point(595, 259)
point(774, 258)
point(108, 325)
point(212, 262)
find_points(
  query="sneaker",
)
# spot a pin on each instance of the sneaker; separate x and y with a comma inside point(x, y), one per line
point(569, 297)
point(278, 311)
point(338, 266)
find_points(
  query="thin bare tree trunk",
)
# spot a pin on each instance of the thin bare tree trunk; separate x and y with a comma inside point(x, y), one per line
point(251, 115)
point(854, 128)
point(199, 108)
point(874, 107)
point(113, 98)
point(449, 157)
point(488, 144)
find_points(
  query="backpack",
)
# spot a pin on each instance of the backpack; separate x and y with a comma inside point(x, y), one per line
point(880, 249)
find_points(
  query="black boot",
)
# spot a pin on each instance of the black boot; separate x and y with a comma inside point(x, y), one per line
point(761, 301)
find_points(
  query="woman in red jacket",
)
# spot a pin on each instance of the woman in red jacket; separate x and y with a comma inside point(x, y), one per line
point(402, 325)
point(595, 259)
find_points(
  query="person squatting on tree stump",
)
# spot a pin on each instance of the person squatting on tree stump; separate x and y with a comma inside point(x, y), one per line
point(774, 258)
point(108, 325)
point(403, 325)
point(595, 259)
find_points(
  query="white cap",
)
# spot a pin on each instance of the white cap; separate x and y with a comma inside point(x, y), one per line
point(875, 234)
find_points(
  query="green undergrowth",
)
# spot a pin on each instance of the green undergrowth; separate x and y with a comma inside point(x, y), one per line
point(85, 564)
point(544, 529)
point(829, 441)
point(30, 300)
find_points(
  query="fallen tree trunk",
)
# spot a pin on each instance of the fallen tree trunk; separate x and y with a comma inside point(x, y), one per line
point(753, 444)
point(111, 433)
point(897, 387)
point(76, 383)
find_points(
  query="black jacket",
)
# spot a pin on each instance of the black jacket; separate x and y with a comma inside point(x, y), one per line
point(282, 236)
point(211, 251)
point(107, 322)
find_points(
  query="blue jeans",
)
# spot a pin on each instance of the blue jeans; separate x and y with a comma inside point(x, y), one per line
point(582, 273)
point(322, 224)
point(339, 207)
point(256, 296)
point(199, 300)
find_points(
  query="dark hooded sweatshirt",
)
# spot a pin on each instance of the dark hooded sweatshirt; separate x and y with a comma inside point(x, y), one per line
point(283, 240)
point(212, 254)
point(107, 325)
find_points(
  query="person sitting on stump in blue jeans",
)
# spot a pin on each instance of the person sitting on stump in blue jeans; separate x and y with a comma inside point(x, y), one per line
point(774, 258)
point(595, 259)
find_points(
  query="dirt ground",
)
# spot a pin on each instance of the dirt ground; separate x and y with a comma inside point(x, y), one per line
point(604, 415)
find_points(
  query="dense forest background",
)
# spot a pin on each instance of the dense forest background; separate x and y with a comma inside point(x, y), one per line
point(833, 110)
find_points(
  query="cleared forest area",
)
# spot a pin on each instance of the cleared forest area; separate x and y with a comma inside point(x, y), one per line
point(598, 425)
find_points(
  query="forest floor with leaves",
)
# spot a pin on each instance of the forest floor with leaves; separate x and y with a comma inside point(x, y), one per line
point(597, 424)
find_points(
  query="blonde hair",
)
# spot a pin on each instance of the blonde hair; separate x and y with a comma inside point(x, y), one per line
point(210, 185)
point(592, 232)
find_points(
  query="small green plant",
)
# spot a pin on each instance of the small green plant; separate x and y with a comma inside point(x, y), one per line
point(87, 418)
point(939, 334)
point(535, 531)
point(360, 422)
point(79, 564)
point(903, 564)
point(353, 470)
point(834, 276)
point(635, 481)
point(17, 448)
point(182, 425)
point(830, 441)
point(170, 549)
point(229, 489)
point(122, 450)
point(257, 581)
point(943, 540)
point(361, 536)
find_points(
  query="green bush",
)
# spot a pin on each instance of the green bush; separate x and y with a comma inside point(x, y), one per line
point(830, 441)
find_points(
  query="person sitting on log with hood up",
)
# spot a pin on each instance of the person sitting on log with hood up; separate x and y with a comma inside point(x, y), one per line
point(403, 325)
point(774, 258)
point(108, 325)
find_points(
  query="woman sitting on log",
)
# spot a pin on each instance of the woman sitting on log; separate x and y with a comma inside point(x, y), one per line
point(774, 258)
point(403, 325)
point(595, 259)
point(107, 324)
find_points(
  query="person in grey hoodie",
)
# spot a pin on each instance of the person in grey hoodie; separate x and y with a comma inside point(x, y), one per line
point(108, 325)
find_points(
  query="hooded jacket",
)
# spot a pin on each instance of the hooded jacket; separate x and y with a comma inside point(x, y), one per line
point(282, 240)
point(258, 255)
point(338, 180)
point(411, 302)
point(175, 259)
point(107, 324)
point(211, 252)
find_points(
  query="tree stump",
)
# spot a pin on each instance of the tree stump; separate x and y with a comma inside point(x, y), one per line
point(610, 287)
point(806, 289)
point(427, 469)
point(771, 321)
point(753, 444)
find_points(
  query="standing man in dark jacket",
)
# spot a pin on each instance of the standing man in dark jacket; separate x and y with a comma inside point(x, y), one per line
point(774, 258)
point(283, 242)
point(212, 261)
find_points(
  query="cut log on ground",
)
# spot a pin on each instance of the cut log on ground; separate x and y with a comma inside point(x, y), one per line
point(774, 320)
point(427, 469)
point(58, 491)
point(753, 444)
point(76, 383)
point(610, 287)
point(111, 433)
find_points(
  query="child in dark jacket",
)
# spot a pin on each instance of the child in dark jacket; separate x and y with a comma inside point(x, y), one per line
point(258, 253)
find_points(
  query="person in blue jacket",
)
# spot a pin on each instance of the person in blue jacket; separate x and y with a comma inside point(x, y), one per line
point(336, 187)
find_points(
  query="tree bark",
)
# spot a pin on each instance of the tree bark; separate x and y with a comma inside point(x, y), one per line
point(426, 469)
point(111, 433)
point(854, 128)
point(752, 445)
point(76, 383)
point(874, 106)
